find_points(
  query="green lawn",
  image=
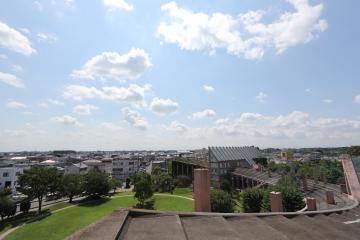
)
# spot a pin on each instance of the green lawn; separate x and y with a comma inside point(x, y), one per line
point(63, 223)
point(186, 192)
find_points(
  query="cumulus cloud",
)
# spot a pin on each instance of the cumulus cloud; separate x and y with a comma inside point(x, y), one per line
point(113, 65)
point(328, 100)
point(261, 97)
point(11, 80)
point(46, 37)
point(16, 68)
point(38, 6)
point(15, 104)
point(203, 114)
point(111, 126)
point(15, 40)
point(176, 127)
point(244, 35)
point(296, 124)
point(85, 109)
point(208, 88)
point(134, 118)
point(118, 5)
point(163, 106)
point(50, 102)
point(357, 99)
point(66, 120)
point(134, 94)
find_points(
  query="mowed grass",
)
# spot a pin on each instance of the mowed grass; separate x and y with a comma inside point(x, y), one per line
point(63, 223)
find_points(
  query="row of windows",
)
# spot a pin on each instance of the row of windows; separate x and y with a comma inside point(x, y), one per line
point(6, 174)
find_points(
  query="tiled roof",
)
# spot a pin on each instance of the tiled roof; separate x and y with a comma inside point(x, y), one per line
point(235, 153)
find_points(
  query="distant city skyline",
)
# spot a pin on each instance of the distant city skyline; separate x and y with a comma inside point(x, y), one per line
point(129, 74)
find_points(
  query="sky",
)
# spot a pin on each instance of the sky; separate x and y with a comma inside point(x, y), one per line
point(142, 75)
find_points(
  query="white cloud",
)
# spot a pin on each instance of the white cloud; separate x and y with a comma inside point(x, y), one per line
point(208, 88)
point(296, 126)
point(163, 106)
point(134, 94)
point(66, 120)
point(26, 31)
point(118, 5)
point(78, 92)
point(49, 102)
point(134, 118)
point(12, 80)
point(111, 126)
point(244, 34)
point(15, 104)
point(46, 37)
point(84, 109)
point(38, 6)
point(112, 65)
point(176, 127)
point(16, 68)
point(261, 97)
point(328, 100)
point(357, 99)
point(3, 57)
point(14, 40)
point(203, 114)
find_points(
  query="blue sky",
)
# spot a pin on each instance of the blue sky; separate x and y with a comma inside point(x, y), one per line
point(115, 74)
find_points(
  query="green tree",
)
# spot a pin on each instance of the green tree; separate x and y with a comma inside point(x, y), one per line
point(72, 185)
point(143, 188)
point(96, 183)
point(25, 205)
point(115, 183)
point(36, 182)
point(182, 181)
point(261, 161)
point(354, 150)
point(221, 201)
point(7, 207)
point(293, 198)
point(163, 182)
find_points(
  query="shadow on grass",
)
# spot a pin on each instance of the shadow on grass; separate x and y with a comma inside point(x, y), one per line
point(23, 218)
point(93, 201)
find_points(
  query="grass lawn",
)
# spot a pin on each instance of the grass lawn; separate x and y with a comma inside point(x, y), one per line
point(63, 223)
point(186, 192)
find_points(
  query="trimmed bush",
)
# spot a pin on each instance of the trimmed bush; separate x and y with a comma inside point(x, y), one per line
point(221, 201)
point(25, 206)
point(252, 200)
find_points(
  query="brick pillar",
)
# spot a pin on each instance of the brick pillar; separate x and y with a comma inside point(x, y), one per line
point(330, 199)
point(343, 188)
point(202, 190)
point(311, 204)
point(276, 202)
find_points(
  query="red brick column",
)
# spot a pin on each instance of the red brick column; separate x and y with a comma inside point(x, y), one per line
point(330, 199)
point(311, 204)
point(202, 190)
point(276, 202)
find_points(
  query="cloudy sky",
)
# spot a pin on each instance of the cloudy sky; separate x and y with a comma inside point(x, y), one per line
point(132, 74)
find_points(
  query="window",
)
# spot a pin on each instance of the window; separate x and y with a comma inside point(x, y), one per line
point(5, 174)
point(131, 163)
point(129, 169)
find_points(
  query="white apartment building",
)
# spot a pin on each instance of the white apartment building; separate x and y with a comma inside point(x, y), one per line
point(9, 175)
point(122, 168)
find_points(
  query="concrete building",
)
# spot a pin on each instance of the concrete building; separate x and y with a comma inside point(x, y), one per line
point(123, 167)
point(76, 168)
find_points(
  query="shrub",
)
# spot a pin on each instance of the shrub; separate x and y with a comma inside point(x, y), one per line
point(293, 199)
point(96, 183)
point(183, 181)
point(252, 199)
point(7, 207)
point(221, 201)
point(25, 206)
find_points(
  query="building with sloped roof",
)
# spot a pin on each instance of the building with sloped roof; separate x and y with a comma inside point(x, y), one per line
point(224, 160)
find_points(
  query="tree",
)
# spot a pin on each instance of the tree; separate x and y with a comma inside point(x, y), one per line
point(72, 185)
point(115, 183)
point(261, 161)
point(25, 205)
point(163, 182)
point(221, 201)
point(354, 150)
point(96, 183)
point(293, 199)
point(182, 181)
point(143, 188)
point(36, 182)
point(7, 207)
